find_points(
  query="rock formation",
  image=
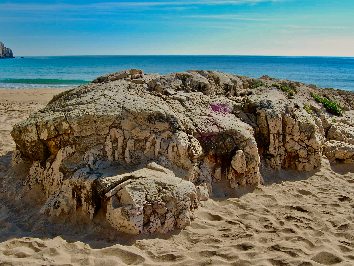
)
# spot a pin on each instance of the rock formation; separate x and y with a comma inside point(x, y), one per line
point(5, 52)
point(146, 148)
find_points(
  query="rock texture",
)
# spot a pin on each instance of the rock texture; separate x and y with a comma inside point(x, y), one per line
point(146, 148)
point(5, 52)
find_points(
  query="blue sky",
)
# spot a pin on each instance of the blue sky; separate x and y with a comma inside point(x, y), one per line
point(224, 27)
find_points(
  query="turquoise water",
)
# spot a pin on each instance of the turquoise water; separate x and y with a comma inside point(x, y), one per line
point(71, 71)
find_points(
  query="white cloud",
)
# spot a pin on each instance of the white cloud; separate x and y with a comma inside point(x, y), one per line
point(195, 2)
point(123, 5)
point(232, 17)
point(222, 27)
point(318, 27)
point(38, 7)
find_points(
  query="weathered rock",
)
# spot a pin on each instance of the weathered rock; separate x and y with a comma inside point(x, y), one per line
point(204, 191)
point(5, 52)
point(132, 74)
point(340, 136)
point(151, 201)
point(338, 150)
point(287, 136)
point(238, 162)
point(124, 141)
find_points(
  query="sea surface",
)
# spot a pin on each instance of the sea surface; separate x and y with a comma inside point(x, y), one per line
point(71, 71)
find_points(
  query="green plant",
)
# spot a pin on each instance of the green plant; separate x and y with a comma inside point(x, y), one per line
point(334, 121)
point(286, 89)
point(331, 106)
point(258, 85)
point(307, 109)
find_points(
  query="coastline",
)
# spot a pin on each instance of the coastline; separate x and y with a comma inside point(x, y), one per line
point(71, 71)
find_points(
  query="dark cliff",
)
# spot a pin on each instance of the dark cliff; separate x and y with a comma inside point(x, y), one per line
point(5, 52)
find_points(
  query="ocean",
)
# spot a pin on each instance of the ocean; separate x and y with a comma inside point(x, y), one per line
point(71, 71)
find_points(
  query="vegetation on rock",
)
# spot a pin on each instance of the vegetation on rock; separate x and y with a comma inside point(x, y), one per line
point(331, 106)
point(258, 85)
point(286, 89)
point(307, 109)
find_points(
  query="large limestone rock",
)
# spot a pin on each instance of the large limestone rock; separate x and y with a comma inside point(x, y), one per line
point(5, 52)
point(145, 148)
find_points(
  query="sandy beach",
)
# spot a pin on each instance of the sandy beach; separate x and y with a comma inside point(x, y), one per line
point(15, 106)
point(293, 219)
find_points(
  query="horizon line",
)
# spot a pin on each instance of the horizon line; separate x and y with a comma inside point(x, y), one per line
point(19, 56)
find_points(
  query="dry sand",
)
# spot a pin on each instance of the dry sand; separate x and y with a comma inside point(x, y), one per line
point(15, 106)
point(295, 219)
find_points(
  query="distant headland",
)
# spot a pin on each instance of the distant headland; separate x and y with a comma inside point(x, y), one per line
point(5, 52)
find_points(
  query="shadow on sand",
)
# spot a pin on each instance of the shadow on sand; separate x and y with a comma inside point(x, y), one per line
point(21, 217)
point(342, 168)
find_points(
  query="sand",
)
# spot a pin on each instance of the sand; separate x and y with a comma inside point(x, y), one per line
point(15, 106)
point(294, 219)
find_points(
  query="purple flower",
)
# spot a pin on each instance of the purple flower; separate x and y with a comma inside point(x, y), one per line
point(221, 108)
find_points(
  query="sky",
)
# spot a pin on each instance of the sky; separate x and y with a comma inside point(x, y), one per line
point(178, 27)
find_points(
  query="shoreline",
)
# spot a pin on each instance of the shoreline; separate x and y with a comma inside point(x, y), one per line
point(325, 72)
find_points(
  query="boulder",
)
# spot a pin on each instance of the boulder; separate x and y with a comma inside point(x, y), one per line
point(151, 201)
point(146, 148)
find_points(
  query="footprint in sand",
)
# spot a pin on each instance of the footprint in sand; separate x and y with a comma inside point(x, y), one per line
point(304, 192)
point(196, 225)
point(288, 231)
point(344, 198)
point(125, 256)
point(326, 258)
point(244, 246)
point(210, 217)
point(292, 252)
point(298, 208)
point(346, 227)
point(345, 249)
point(169, 257)
point(229, 256)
